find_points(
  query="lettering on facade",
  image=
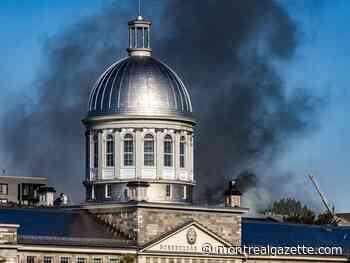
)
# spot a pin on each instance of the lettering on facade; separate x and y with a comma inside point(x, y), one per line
point(179, 248)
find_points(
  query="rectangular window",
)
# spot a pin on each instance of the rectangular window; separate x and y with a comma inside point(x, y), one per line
point(95, 151)
point(184, 196)
point(129, 152)
point(3, 189)
point(3, 201)
point(182, 154)
point(168, 190)
point(168, 155)
point(97, 260)
point(30, 259)
point(114, 260)
point(110, 151)
point(149, 152)
point(48, 259)
point(81, 260)
point(108, 190)
point(64, 260)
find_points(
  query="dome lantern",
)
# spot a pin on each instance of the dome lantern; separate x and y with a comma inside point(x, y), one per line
point(139, 36)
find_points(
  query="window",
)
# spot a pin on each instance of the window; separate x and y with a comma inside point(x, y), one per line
point(3, 201)
point(3, 189)
point(97, 260)
point(168, 190)
point(168, 151)
point(182, 151)
point(148, 148)
point(95, 151)
point(64, 260)
point(30, 259)
point(128, 150)
point(81, 260)
point(48, 259)
point(110, 151)
point(114, 260)
point(108, 190)
point(184, 192)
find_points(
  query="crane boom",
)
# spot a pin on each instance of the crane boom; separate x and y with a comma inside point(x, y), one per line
point(324, 200)
point(318, 189)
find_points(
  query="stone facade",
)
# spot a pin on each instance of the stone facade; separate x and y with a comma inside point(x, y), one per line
point(144, 223)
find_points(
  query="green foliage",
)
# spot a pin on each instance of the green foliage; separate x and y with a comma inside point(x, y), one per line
point(293, 211)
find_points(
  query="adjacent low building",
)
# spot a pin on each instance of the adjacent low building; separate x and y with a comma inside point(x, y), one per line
point(22, 190)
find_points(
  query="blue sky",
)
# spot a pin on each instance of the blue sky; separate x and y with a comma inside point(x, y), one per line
point(320, 65)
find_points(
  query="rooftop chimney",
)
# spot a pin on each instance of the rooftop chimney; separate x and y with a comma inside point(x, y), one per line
point(232, 195)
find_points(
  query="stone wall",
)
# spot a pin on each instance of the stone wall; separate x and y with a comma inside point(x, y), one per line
point(122, 221)
point(145, 224)
point(154, 223)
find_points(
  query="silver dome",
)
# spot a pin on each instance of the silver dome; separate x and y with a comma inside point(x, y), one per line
point(139, 86)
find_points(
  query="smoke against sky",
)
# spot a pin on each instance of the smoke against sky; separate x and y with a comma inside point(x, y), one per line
point(224, 53)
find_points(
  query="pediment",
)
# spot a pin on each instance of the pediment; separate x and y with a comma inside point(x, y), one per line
point(189, 238)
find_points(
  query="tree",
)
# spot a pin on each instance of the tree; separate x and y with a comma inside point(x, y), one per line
point(292, 211)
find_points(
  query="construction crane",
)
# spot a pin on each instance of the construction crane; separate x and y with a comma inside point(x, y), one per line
point(335, 219)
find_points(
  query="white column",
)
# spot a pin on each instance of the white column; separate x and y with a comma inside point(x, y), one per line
point(190, 154)
point(176, 151)
point(117, 154)
point(100, 154)
point(138, 153)
point(90, 152)
point(159, 154)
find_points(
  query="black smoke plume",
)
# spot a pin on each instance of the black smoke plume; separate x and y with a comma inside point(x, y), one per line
point(225, 51)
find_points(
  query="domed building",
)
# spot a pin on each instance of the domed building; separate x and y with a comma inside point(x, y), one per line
point(139, 186)
point(139, 129)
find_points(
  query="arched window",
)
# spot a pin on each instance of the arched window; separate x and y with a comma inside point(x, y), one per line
point(168, 151)
point(110, 151)
point(95, 150)
point(148, 149)
point(182, 152)
point(128, 150)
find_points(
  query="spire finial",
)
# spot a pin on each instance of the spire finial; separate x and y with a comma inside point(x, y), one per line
point(139, 17)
